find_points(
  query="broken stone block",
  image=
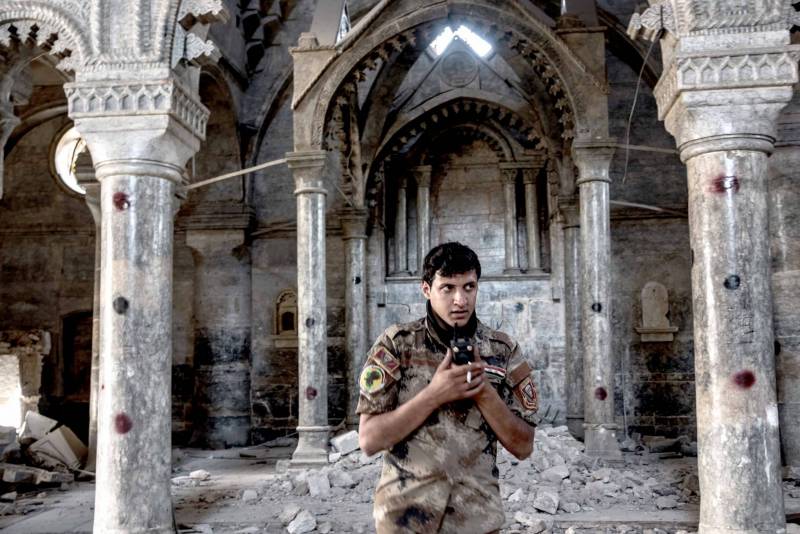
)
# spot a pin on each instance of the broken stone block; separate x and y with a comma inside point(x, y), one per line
point(346, 443)
point(203, 528)
point(249, 495)
point(60, 446)
point(12, 453)
point(534, 525)
point(303, 522)
point(8, 434)
point(555, 474)
point(9, 497)
point(334, 457)
point(546, 501)
point(571, 507)
point(341, 479)
point(325, 528)
point(289, 514)
point(517, 496)
point(667, 502)
point(35, 427)
point(319, 485)
point(792, 528)
point(200, 474)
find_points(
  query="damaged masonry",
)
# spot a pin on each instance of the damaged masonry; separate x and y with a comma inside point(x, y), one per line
point(209, 209)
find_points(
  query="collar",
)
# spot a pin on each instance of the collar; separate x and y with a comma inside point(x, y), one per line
point(443, 332)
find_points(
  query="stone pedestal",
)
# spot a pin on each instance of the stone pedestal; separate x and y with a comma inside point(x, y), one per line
point(308, 168)
point(509, 173)
point(139, 160)
point(217, 235)
point(593, 161)
point(354, 234)
point(572, 316)
point(422, 175)
point(725, 149)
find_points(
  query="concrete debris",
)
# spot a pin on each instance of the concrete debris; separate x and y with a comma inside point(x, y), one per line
point(200, 474)
point(304, 522)
point(8, 434)
point(792, 528)
point(345, 443)
point(249, 495)
point(60, 446)
point(325, 527)
point(517, 496)
point(35, 427)
point(11, 496)
point(546, 501)
point(534, 525)
point(289, 513)
point(203, 528)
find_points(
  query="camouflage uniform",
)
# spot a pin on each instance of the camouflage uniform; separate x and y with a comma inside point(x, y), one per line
point(443, 476)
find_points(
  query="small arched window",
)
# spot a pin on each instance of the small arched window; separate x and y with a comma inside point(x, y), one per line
point(286, 313)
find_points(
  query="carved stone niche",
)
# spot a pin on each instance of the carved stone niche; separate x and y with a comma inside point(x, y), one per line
point(286, 320)
point(655, 307)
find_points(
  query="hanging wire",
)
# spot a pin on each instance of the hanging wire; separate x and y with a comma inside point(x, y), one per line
point(633, 106)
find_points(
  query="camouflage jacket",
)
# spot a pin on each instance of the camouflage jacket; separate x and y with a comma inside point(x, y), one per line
point(443, 477)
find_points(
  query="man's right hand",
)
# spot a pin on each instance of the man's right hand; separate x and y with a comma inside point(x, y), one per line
point(449, 383)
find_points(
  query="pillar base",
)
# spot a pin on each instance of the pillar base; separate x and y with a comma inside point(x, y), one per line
point(601, 441)
point(575, 426)
point(312, 447)
point(400, 273)
point(515, 270)
point(707, 529)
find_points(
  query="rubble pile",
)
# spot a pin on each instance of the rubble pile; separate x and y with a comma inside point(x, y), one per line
point(557, 479)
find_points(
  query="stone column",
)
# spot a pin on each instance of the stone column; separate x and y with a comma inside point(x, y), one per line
point(8, 121)
point(354, 228)
point(401, 230)
point(15, 88)
point(138, 161)
point(422, 174)
point(725, 148)
point(572, 315)
point(784, 212)
point(84, 173)
point(509, 175)
point(529, 175)
point(308, 168)
point(217, 234)
point(593, 161)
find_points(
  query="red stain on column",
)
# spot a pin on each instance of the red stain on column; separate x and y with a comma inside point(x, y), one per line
point(744, 379)
point(311, 393)
point(122, 423)
point(121, 201)
point(600, 394)
point(724, 184)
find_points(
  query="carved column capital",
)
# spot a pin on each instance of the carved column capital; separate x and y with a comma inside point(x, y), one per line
point(307, 167)
point(138, 127)
point(593, 159)
point(509, 172)
point(568, 206)
point(422, 175)
point(354, 223)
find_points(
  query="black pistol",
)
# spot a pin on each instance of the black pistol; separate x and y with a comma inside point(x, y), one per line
point(462, 349)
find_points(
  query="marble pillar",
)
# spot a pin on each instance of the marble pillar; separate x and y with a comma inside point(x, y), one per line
point(529, 175)
point(422, 175)
point(509, 173)
point(593, 162)
point(216, 233)
point(8, 121)
point(354, 235)
point(84, 173)
point(401, 229)
point(139, 162)
point(308, 168)
point(784, 224)
point(568, 206)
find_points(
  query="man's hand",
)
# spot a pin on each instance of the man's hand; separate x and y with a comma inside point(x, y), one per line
point(450, 383)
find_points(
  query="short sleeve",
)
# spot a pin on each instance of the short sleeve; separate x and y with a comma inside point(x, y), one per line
point(378, 381)
point(521, 395)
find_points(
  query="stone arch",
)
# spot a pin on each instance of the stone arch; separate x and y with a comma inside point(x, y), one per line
point(557, 60)
point(49, 20)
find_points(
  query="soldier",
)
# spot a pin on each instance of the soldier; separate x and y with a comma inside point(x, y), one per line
point(437, 421)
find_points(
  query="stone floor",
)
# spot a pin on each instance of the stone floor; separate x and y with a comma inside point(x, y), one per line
point(247, 491)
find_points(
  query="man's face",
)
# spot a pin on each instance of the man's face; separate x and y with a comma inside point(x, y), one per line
point(453, 297)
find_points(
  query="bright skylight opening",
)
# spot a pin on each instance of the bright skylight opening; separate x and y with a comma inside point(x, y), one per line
point(478, 44)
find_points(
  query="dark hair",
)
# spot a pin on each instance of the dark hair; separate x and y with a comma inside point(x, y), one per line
point(449, 259)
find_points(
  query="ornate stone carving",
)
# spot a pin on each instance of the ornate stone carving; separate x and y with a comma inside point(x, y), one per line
point(459, 68)
point(705, 16)
point(727, 71)
point(651, 21)
point(108, 99)
point(203, 11)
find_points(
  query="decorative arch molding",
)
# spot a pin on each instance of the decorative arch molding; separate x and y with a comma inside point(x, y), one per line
point(494, 139)
point(570, 78)
point(56, 27)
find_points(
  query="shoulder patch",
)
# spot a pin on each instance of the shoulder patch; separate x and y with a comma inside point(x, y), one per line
point(372, 380)
point(387, 361)
point(526, 394)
